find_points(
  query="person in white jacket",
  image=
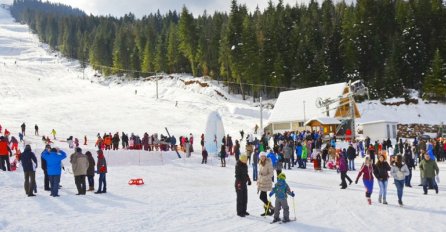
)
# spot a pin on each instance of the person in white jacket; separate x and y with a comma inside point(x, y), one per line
point(399, 171)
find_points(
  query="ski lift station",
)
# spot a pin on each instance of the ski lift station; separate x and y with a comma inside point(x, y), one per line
point(321, 108)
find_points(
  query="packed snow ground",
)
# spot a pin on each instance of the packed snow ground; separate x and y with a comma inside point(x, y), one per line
point(38, 87)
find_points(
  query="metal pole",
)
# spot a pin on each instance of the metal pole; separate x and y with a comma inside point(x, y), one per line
point(352, 111)
point(261, 116)
point(156, 78)
point(305, 116)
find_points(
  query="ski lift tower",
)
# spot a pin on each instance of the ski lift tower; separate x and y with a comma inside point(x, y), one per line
point(356, 88)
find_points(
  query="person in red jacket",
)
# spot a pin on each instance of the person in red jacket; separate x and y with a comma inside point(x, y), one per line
point(367, 172)
point(4, 151)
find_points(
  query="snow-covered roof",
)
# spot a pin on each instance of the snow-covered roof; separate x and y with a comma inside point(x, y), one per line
point(325, 121)
point(290, 104)
point(378, 121)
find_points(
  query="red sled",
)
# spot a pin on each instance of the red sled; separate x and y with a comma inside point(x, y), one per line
point(138, 181)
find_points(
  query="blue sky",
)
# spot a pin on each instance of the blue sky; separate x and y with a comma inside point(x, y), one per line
point(144, 7)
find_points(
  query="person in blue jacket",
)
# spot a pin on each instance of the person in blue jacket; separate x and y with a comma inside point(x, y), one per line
point(272, 156)
point(29, 164)
point(53, 160)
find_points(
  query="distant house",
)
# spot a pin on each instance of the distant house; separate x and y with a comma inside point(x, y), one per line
point(380, 130)
point(325, 125)
point(293, 108)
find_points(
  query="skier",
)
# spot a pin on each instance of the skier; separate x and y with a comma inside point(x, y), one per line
point(265, 184)
point(23, 126)
point(281, 189)
point(36, 130)
point(101, 168)
point(241, 179)
point(80, 164)
point(399, 171)
point(367, 170)
point(54, 167)
point(380, 170)
point(242, 133)
point(53, 132)
point(29, 165)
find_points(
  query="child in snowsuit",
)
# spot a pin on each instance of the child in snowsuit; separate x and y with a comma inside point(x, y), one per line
point(367, 170)
point(281, 189)
point(204, 154)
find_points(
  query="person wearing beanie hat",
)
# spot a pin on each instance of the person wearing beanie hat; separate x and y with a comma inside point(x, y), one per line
point(53, 160)
point(241, 179)
point(265, 183)
point(281, 190)
point(101, 166)
point(29, 164)
point(79, 163)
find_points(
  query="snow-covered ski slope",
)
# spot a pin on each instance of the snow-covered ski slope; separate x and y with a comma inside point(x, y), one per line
point(179, 194)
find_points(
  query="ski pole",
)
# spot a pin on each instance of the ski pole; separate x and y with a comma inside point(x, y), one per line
point(267, 208)
point(294, 209)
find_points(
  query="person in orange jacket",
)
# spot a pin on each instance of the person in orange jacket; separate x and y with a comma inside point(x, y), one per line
point(4, 151)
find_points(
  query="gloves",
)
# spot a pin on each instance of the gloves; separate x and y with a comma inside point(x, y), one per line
point(63, 168)
point(356, 181)
point(270, 194)
point(292, 194)
point(249, 182)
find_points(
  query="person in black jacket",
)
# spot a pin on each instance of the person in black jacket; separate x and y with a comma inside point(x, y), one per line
point(90, 170)
point(351, 155)
point(29, 164)
point(380, 170)
point(241, 179)
point(410, 162)
point(44, 168)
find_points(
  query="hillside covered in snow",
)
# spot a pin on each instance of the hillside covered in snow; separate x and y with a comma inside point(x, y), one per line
point(40, 87)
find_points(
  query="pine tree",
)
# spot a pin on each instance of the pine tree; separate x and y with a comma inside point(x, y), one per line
point(188, 38)
point(434, 86)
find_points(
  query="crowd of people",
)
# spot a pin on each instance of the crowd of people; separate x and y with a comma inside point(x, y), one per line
point(272, 153)
point(269, 156)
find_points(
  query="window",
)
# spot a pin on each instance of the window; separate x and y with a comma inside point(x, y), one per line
point(301, 124)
